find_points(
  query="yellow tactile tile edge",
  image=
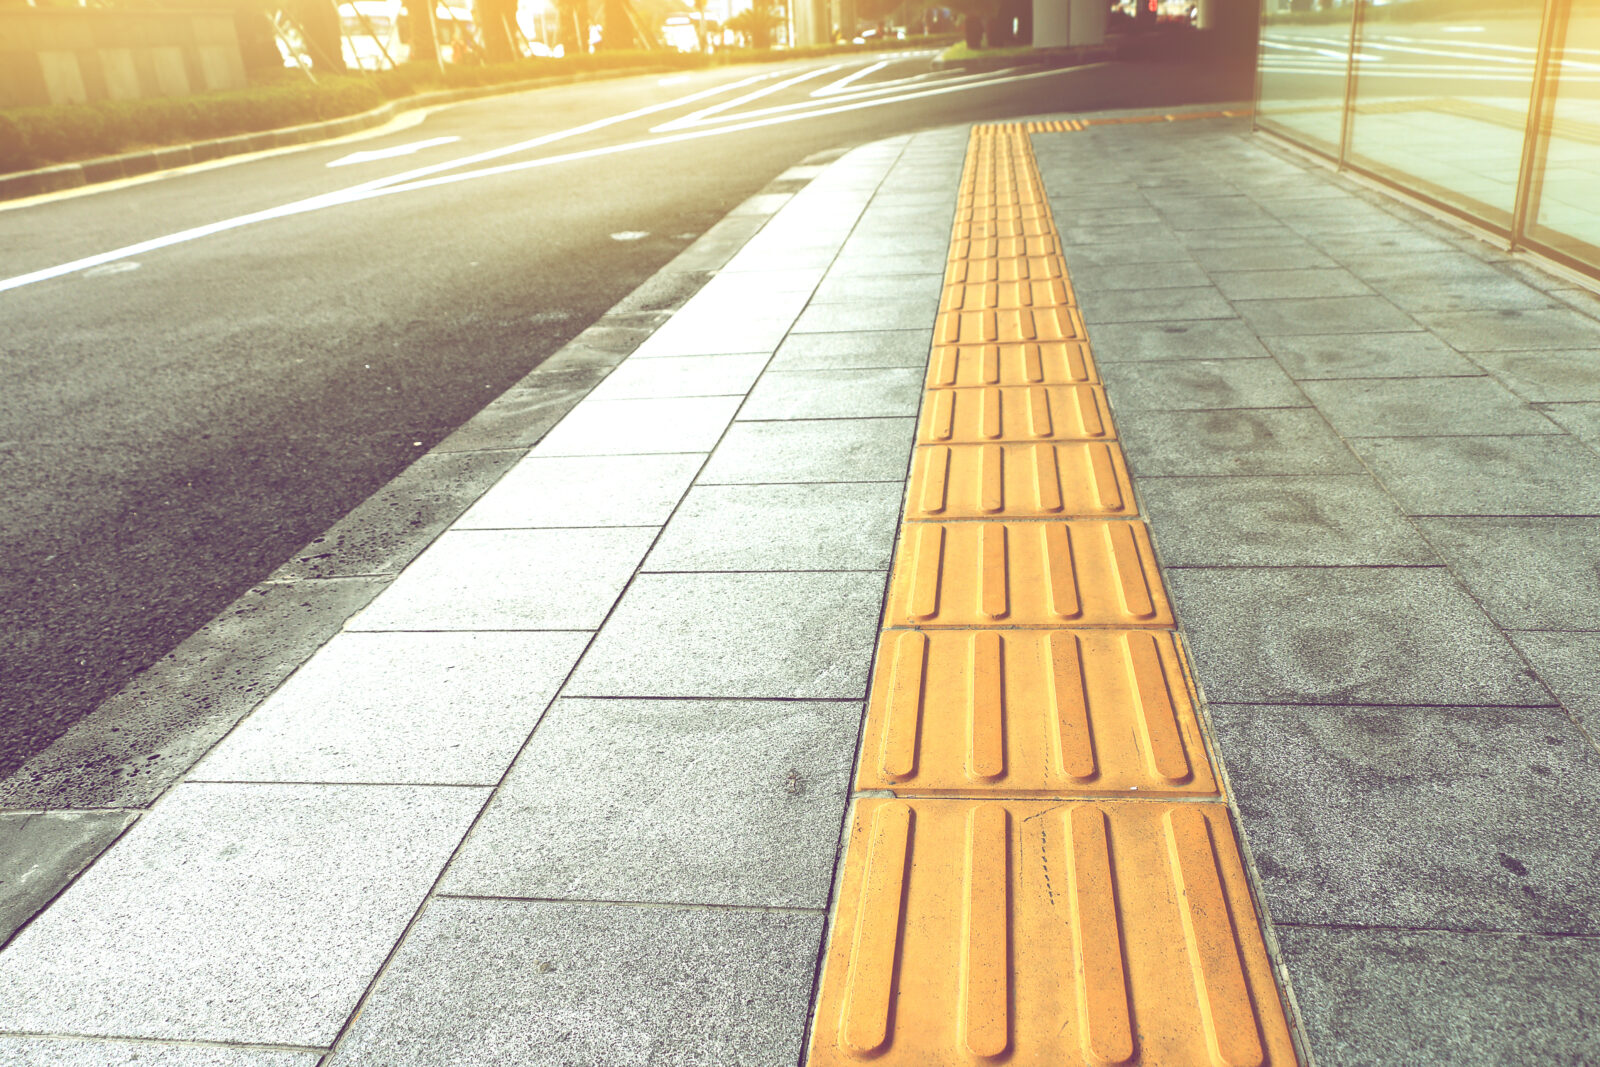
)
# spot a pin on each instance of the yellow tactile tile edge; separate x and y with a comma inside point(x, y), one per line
point(1040, 868)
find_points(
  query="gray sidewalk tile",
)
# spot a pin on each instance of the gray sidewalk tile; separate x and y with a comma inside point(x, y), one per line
point(432, 708)
point(1529, 573)
point(1139, 276)
point(897, 313)
point(585, 491)
point(1444, 281)
point(1437, 817)
point(809, 527)
point(1345, 635)
point(670, 801)
point(839, 289)
point(1569, 664)
point(1331, 314)
point(1198, 384)
point(674, 376)
point(277, 906)
point(1513, 331)
point(835, 394)
point(879, 265)
point(812, 450)
point(41, 851)
point(1297, 255)
point(1424, 407)
point(762, 258)
point(1239, 441)
point(1332, 521)
point(1121, 253)
point(1368, 355)
point(1284, 282)
point(1078, 233)
point(1155, 305)
point(1580, 420)
point(854, 351)
point(1546, 376)
point(1434, 997)
point(62, 1052)
point(483, 982)
point(932, 247)
point(794, 634)
point(634, 427)
point(706, 331)
point(511, 580)
point(1199, 339)
point(1197, 241)
point(1535, 475)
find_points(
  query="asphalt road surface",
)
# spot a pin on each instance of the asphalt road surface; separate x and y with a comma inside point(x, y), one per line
point(202, 371)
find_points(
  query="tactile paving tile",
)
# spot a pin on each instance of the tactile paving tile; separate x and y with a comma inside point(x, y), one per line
point(1015, 413)
point(1004, 247)
point(990, 207)
point(1009, 324)
point(1060, 712)
point(983, 296)
point(979, 574)
point(979, 228)
point(1037, 932)
point(1008, 269)
point(1038, 363)
point(1025, 481)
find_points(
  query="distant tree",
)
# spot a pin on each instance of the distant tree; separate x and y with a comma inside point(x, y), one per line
point(495, 19)
point(757, 24)
point(319, 25)
point(424, 36)
point(574, 36)
point(618, 33)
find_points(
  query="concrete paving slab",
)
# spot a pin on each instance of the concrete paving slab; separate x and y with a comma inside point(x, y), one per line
point(1239, 441)
point(496, 981)
point(853, 351)
point(511, 580)
point(1345, 635)
point(1141, 276)
point(279, 903)
point(1320, 315)
point(1296, 255)
point(1434, 818)
point(1444, 281)
point(890, 313)
point(63, 1052)
point(432, 708)
point(1580, 420)
point(1331, 521)
point(874, 266)
point(585, 491)
point(1280, 282)
point(1368, 355)
point(812, 450)
point(840, 394)
point(838, 289)
point(811, 527)
point(1424, 996)
point(1155, 305)
point(670, 801)
point(1546, 376)
point(1528, 573)
point(1122, 253)
point(1200, 384)
point(673, 376)
point(1424, 407)
point(1569, 665)
point(42, 851)
point(1514, 331)
point(1539, 475)
point(637, 427)
point(1213, 339)
point(797, 635)
point(1197, 241)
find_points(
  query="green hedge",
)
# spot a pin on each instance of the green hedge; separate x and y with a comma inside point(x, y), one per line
point(41, 136)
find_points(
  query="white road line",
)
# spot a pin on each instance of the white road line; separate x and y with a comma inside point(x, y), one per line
point(694, 117)
point(966, 81)
point(848, 79)
point(375, 154)
point(372, 190)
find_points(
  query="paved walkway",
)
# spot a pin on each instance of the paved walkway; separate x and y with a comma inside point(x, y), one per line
point(574, 788)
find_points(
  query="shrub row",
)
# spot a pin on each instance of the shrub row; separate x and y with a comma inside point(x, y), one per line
point(40, 136)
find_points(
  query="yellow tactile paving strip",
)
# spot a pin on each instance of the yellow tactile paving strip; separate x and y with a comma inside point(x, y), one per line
point(1044, 871)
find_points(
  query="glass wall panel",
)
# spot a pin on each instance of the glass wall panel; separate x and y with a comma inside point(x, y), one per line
point(1567, 215)
point(1305, 53)
point(1441, 98)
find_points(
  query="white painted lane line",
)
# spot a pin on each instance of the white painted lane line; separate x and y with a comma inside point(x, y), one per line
point(695, 117)
point(370, 190)
point(840, 85)
point(374, 154)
